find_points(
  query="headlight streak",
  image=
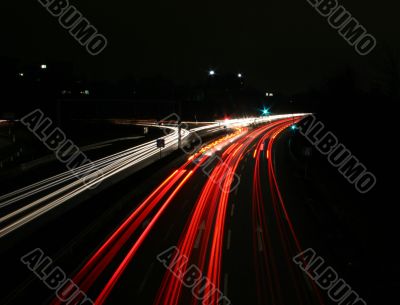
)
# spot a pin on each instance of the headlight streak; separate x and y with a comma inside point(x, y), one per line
point(109, 166)
point(72, 189)
point(63, 187)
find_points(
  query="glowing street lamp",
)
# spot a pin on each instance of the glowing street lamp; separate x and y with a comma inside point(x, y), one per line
point(211, 72)
point(266, 111)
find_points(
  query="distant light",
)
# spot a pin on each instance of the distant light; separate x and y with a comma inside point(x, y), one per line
point(265, 111)
point(271, 94)
point(240, 75)
point(43, 67)
point(211, 73)
point(85, 92)
point(294, 127)
point(21, 74)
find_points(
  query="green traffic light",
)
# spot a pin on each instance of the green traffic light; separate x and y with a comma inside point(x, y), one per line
point(265, 111)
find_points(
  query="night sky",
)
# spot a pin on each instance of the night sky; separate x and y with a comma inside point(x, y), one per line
point(278, 45)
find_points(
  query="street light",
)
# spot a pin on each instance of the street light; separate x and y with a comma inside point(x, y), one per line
point(211, 73)
point(43, 67)
point(266, 111)
point(240, 75)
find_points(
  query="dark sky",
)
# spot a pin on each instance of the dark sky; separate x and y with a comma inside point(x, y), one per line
point(279, 45)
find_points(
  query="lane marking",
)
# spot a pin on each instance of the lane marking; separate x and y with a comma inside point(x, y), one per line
point(226, 285)
point(145, 279)
point(168, 232)
point(145, 223)
point(259, 239)
point(228, 244)
point(201, 229)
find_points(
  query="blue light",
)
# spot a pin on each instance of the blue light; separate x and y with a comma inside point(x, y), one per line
point(266, 111)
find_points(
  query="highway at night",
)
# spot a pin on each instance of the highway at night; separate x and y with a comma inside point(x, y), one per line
point(219, 211)
point(203, 153)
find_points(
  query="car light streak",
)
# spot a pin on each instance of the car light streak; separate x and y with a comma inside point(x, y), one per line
point(153, 204)
point(210, 208)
